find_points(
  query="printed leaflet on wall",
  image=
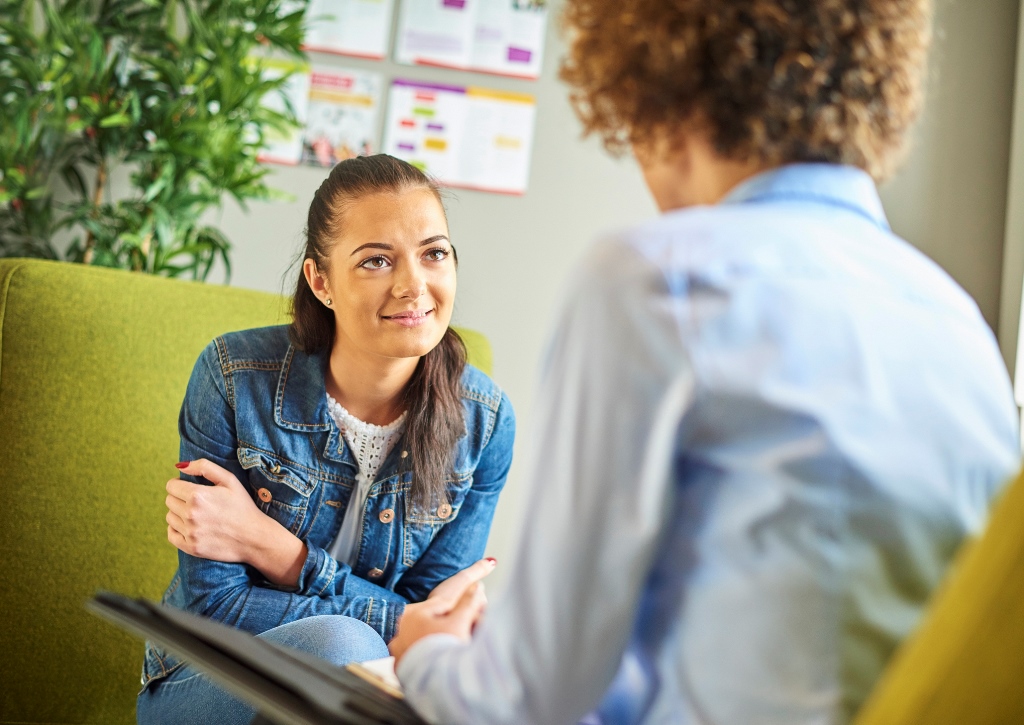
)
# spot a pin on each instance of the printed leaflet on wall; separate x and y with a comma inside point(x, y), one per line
point(342, 116)
point(494, 36)
point(473, 138)
point(349, 27)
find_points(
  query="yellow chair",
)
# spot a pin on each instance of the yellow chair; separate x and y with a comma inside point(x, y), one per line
point(965, 663)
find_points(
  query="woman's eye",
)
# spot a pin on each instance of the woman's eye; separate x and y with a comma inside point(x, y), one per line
point(437, 255)
point(375, 263)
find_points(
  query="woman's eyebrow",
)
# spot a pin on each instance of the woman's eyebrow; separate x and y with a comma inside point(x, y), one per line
point(372, 245)
point(389, 247)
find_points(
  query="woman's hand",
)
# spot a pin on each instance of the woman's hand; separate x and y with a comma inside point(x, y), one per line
point(221, 522)
point(211, 522)
point(452, 588)
point(453, 607)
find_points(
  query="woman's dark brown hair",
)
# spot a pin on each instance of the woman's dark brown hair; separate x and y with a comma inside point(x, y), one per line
point(776, 81)
point(434, 421)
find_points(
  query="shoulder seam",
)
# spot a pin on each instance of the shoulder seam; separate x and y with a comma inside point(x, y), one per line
point(491, 402)
point(225, 370)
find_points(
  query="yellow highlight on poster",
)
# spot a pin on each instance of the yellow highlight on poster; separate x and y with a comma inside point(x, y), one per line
point(435, 144)
point(508, 142)
point(347, 99)
point(507, 96)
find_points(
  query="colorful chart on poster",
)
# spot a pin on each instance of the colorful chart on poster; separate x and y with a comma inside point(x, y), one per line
point(284, 148)
point(349, 27)
point(467, 137)
point(341, 121)
point(505, 37)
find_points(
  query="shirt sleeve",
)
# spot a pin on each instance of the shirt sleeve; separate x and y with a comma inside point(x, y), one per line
point(226, 591)
point(613, 391)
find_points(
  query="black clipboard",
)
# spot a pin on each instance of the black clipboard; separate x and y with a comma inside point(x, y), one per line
point(287, 686)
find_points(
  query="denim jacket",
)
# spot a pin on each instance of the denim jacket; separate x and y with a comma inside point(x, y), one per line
point(256, 405)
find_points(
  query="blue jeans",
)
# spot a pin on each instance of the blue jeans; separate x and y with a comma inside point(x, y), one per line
point(187, 697)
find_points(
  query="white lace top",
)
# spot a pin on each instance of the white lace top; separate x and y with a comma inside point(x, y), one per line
point(370, 445)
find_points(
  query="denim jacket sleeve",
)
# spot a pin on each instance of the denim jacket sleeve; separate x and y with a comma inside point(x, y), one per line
point(461, 542)
point(225, 591)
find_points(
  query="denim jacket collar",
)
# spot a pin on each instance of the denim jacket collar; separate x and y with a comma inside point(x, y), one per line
point(301, 401)
point(842, 186)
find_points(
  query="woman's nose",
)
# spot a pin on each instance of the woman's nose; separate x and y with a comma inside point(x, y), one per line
point(409, 284)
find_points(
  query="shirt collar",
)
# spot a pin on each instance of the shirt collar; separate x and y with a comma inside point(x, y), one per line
point(842, 186)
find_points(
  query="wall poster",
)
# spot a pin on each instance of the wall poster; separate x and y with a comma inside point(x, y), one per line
point(505, 37)
point(284, 148)
point(466, 137)
point(349, 27)
point(342, 117)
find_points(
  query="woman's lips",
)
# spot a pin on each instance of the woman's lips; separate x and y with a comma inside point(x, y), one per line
point(413, 318)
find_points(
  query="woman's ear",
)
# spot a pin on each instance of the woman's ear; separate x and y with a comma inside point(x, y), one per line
point(317, 281)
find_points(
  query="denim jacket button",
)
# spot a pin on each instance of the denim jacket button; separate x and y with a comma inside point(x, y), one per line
point(444, 511)
point(264, 495)
point(386, 516)
point(375, 573)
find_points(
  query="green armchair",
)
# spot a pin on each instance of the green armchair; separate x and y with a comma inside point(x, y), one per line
point(93, 365)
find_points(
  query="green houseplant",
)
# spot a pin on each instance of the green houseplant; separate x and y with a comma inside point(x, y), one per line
point(167, 91)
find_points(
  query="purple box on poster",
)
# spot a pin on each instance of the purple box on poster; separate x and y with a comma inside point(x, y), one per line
point(427, 86)
point(435, 127)
point(456, 4)
point(518, 55)
point(406, 147)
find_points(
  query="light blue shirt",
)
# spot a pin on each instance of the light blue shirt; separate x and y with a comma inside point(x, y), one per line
point(763, 430)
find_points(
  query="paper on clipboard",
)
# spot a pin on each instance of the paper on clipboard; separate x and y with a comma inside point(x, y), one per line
point(380, 673)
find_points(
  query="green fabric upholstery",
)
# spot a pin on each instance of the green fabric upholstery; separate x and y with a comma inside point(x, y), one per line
point(93, 365)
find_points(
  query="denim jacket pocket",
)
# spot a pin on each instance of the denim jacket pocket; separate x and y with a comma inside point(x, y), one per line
point(439, 512)
point(423, 522)
point(280, 492)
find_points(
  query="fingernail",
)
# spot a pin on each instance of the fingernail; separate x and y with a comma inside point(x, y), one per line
point(494, 562)
point(183, 465)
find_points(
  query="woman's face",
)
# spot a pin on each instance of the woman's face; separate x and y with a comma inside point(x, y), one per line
point(391, 275)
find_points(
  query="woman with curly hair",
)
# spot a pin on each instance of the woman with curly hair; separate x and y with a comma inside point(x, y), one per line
point(766, 423)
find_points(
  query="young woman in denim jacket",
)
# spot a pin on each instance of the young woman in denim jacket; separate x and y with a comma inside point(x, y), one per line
point(370, 336)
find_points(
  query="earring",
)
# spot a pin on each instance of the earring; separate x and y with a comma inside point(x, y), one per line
point(328, 302)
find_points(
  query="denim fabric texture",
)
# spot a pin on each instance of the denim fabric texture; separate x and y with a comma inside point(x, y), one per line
point(257, 406)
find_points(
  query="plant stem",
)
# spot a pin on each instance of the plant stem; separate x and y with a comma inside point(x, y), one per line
point(140, 263)
point(97, 199)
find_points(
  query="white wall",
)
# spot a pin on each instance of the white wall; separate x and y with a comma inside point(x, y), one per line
point(515, 252)
point(950, 198)
point(1013, 251)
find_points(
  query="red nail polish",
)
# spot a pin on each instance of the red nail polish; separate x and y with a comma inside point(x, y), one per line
point(492, 560)
point(183, 465)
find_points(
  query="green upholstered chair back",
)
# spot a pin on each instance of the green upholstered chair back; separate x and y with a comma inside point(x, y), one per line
point(93, 365)
point(965, 663)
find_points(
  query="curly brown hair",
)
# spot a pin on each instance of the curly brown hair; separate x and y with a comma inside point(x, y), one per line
point(775, 81)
